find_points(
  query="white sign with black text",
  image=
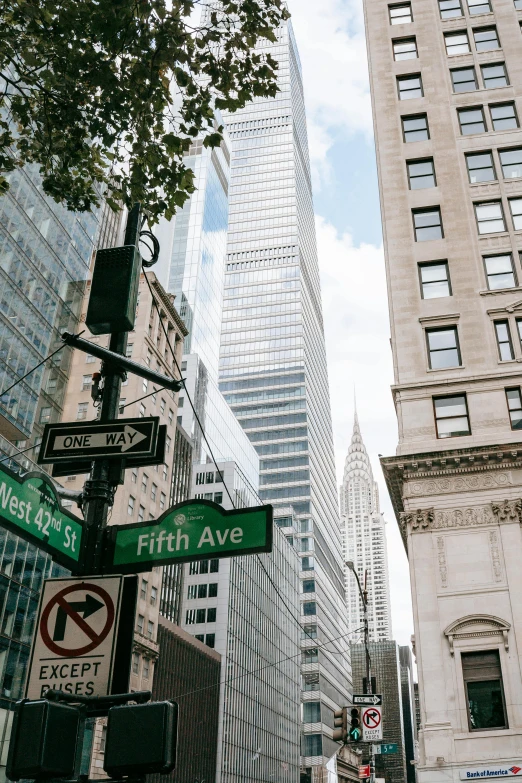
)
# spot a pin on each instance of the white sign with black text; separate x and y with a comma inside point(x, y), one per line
point(75, 637)
point(371, 718)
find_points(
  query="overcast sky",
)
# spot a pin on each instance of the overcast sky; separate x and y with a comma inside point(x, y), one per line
point(330, 37)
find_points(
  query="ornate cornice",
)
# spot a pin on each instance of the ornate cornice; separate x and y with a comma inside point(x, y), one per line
point(445, 464)
point(477, 626)
point(429, 519)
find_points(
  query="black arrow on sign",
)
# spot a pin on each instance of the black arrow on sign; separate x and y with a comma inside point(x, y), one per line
point(87, 607)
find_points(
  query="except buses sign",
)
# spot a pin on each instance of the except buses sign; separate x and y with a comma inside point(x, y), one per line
point(30, 507)
point(193, 530)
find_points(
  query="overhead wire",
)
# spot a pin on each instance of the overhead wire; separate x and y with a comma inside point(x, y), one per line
point(31, 371)
point(227, 680)
point(17, 453)
point(290, 612)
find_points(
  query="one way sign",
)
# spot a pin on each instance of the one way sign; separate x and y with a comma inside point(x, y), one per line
point(74, 440)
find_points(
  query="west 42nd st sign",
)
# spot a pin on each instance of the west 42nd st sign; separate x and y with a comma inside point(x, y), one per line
point(30, 507)
point(193, 530)
point(121, 438)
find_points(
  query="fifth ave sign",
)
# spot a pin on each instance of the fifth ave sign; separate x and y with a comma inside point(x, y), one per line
point(124, 437)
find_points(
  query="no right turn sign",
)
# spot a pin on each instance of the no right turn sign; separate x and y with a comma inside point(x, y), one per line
point(372, 723)
point(74, 643)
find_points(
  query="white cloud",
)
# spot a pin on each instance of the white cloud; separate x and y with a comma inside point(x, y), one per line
point(330, 37)
point(359, 355)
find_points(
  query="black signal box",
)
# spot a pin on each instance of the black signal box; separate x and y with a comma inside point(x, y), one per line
point(43, 740)
point(114, 290)
point(141, 739)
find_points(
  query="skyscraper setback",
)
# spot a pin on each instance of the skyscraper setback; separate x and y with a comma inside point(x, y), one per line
point(273, 370)
point(364, 541)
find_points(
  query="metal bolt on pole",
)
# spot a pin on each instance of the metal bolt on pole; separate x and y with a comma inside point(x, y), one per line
point(99, 489)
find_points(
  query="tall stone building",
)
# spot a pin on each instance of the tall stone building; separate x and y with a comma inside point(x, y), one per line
point(446, 81)
point(363, 534)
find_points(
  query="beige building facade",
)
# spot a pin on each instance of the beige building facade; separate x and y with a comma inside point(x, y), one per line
point(146, 492)
point(446, 81)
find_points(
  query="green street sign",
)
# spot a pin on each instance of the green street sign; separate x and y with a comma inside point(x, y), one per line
point(192, 530)
point(391, 747)
point(31, 508)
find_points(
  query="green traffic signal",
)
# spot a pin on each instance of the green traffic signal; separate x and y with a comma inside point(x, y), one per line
point(355, 734)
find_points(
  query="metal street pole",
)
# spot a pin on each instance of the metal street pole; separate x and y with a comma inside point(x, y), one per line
point(364, 599)
point(99, 489)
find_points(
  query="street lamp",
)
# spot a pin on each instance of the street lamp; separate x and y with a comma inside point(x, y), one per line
point(364, 599)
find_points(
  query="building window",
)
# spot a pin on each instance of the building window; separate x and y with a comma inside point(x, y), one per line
point(308, 585)
point(150, 629)
point(511, 162)
point(515, 205)
point(427, 224)
point(213, 590)
point(128, 352)
point(210, 640)
point(443, 348)
point(192, 591)
point(211, 615)
point(490, 219)
point(479, 7)
point(307, 564)
point(143, 590)
point(405, 49)
point(142, 411)
point(480, 167)
point(434, 280)
point(209, 479)
point(415, 128)
point(449, 9)
point(311, 655)
point(309, 608)
point(514, 403)
point(168, 442)
point(130, 506)
point(200, 637)
point(214, 566)
point(190, 617)
point(86, 382)
point(494, 75)
point(89, 358)
point(144, 482)
point(309, 632)
point(164, 472)
point(311, 712)
point(134, 475)
point(218, 497)
point(503, 116)
point(409, 87)
point(484, 691)
point(202, 591)
point(421, 174)
point(451, 416)
point(499, 271)
point(141, 514)
point(463, 79)
point(163, 500)
point(471, 121)
point(83, 408)
point(203, 567)
point(135, 663)
point(456, 43)
point(486, 39)
point(146, 668)
point(153, 596)
point(140, 623)
point(400, 14)
point(312, 745)
point(200, 615)
point(200, 478)
point(505, 346)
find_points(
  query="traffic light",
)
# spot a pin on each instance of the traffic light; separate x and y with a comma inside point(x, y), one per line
point(114, 290)
point(141, 739)
point(355, 732)
point(43, 740)
point(341, 725)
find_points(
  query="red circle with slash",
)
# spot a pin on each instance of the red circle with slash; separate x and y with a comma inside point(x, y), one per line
point(96, 638)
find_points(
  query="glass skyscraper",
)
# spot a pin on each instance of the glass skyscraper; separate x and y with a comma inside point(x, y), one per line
point(273, 372)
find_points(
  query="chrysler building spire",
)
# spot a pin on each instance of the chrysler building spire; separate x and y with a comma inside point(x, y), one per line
point(364, 539)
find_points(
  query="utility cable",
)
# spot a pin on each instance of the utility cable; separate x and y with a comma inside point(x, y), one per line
point(187, 393)
point(151, 394)
point(262, 668)
point(17, 453)
point(31, 371)
point(295, 618)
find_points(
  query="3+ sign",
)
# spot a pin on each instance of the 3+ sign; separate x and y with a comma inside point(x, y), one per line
point(125, 437)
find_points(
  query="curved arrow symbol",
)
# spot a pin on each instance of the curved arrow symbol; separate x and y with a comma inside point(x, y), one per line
point(87, 607)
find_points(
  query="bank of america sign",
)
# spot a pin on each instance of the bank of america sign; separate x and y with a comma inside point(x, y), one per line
point(491, 772)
